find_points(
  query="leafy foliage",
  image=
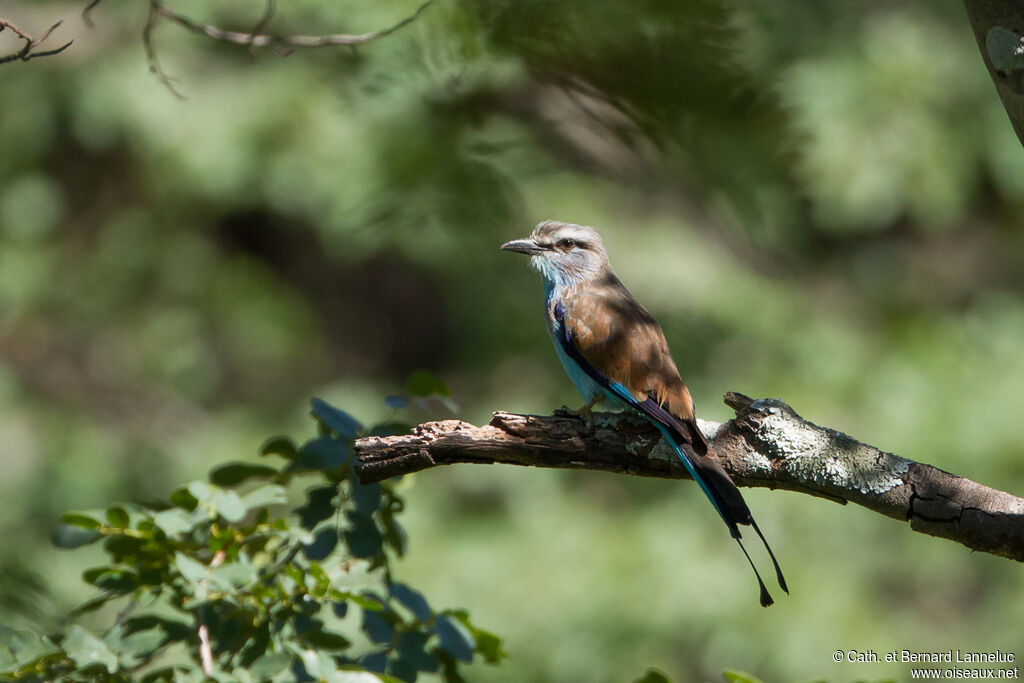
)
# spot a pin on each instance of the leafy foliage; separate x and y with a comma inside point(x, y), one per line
point(222, 570)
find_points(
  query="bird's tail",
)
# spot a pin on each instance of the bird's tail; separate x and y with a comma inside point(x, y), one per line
point(726, 498)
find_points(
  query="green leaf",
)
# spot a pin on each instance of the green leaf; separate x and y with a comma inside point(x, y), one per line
point(234, 473)
point(69, 537)
point(228, 504)
point(173, 522)
point(396, 402)
point(26, 646)
point(116, 579)
point(176, 623)
point(425, 383)
point(269, 665)
point(118, 518)
point(141, 644)
point(320, 455)
point(730, 675)
point(487, 644)
point(200, 490)
point(92, 603)
point(412, 650)
point(270, 494)
point(367, 497)
point(455, 638)
point(326, 640)
point(337, 420)
point(357, 677)
point(279, 445)
point(324, 543)
point(183, 499)
point(378, 627)
point(363, 538)
point(232, 575)
point(653, 676)
point(318, 507)
point(81, 519)
point(85, 649)
point(413, 600)
point(193, 571)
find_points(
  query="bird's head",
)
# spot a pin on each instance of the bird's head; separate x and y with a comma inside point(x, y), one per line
point(566, 254)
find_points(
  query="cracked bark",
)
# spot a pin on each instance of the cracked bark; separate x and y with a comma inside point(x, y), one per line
point(766, 445)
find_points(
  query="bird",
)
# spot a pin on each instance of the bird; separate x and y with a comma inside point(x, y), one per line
point(615, 352)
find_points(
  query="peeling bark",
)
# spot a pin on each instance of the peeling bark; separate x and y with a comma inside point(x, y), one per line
point(767, 445)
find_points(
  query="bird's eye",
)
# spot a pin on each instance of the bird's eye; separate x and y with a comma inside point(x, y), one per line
point(566, 244)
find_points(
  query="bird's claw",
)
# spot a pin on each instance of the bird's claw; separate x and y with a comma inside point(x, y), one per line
point(585, 413)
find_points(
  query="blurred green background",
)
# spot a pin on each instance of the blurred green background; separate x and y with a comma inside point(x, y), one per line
point(819, 201)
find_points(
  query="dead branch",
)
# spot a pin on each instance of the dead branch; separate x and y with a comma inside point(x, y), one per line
point(28, 50)
point(281, 44)
point(767, 445)
point(258, 39)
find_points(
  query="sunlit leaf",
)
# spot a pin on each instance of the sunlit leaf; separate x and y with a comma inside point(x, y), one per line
point(173, 521)
point(269, 665)
point(24, 645)
point(191, 570)
point(730, 675)
point(271, 494)
point(85, 649)
point(228, 504)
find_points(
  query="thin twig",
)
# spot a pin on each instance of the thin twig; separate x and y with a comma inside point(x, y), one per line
point(28, 51)
point(256, 39)
point(268, 13)
point(86, 13)
point(151, 58)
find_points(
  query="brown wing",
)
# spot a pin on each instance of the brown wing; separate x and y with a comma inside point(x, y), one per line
point(620, 338)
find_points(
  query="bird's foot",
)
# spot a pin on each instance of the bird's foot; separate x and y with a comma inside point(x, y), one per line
point(585, 413)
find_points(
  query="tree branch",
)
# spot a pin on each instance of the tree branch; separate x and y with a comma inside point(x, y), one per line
point(999, 29)
point(257, 39)
point(766, 445)
point(280, 44)
point(28, 50)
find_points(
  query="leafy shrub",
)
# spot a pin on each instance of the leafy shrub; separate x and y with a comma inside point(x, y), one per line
point(222, 582)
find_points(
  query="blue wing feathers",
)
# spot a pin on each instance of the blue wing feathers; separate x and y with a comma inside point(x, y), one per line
point(662, 419)
point(724, 495)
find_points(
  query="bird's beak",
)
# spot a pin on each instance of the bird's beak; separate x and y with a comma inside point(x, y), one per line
point(524, 246)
